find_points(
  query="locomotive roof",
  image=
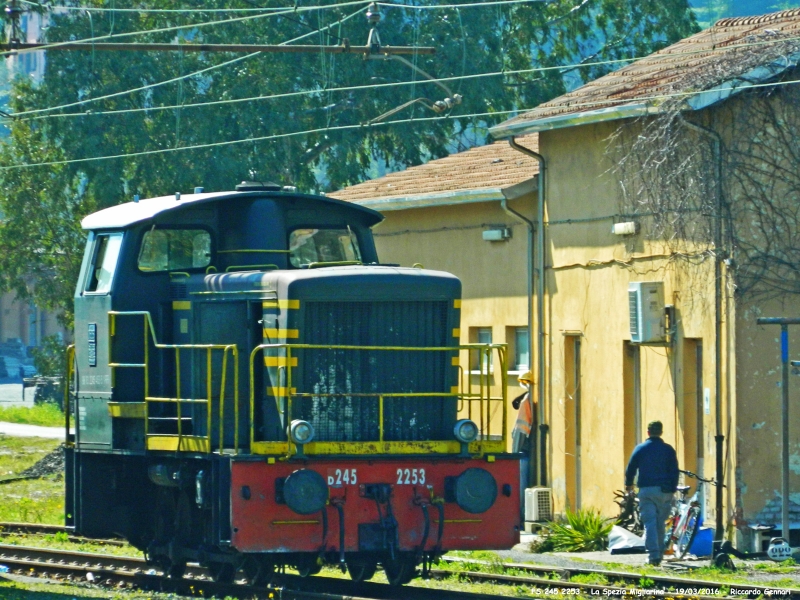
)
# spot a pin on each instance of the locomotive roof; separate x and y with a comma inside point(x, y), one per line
point(125, 215)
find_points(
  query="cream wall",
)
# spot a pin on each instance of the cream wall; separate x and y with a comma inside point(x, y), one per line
point(493, 274)
point(588, 272)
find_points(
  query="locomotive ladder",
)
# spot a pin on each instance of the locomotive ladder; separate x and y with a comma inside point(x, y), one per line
point(180, 441)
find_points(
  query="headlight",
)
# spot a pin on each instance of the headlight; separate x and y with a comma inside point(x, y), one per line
point(301, 432)
point(465, 431)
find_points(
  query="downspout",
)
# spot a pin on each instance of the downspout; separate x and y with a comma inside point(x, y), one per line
point(532, 471)
point(719, 438)
point(541, 376)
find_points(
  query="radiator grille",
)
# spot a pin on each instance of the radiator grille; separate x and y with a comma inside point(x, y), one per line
point(633, 304)
point(350, 417)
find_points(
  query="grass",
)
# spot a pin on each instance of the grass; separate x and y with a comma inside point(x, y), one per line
point(46, 415)
point(585, 530)
point(34, 500)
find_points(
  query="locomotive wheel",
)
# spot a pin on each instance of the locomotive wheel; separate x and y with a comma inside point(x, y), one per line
point(361, 571)
point(222, 572)
point(308, 567)
point(260, 571)
point(400, 570)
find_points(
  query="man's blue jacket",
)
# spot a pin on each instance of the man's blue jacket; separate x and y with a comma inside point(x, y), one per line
point(657, 464)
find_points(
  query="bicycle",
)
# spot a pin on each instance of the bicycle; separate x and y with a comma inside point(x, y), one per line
point(684, 520)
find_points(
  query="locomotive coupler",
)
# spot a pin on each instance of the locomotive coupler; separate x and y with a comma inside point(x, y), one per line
point(382, 494)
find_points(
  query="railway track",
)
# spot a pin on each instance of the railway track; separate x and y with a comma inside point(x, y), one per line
point(131, 572)
point(45, 529)
point(691, 587)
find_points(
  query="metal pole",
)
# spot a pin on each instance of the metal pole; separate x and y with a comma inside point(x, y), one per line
point(785, 431)
point(784, 323)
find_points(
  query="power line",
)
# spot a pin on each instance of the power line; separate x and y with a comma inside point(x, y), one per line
point(275, 9)
point(194, 25)
point(247, 140)
point(174, 79)
point(349, 88)
point(360, 126)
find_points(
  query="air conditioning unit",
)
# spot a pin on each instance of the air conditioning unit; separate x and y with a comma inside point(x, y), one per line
point(647, 318)
point(538, 504)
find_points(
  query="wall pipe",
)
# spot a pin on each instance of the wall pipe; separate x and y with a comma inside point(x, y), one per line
point(541, 376)
point(719, 438)
point(532, 471)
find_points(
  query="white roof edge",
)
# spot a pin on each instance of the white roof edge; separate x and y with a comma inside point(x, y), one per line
point(696, 101)
point(599, 115)
point(123, 215)
point(434, 199)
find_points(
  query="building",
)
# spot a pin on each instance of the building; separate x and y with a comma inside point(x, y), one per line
point(671, 179)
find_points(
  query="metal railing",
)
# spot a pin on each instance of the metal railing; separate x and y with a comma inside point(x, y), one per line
point(474, 395)
point(160, 441)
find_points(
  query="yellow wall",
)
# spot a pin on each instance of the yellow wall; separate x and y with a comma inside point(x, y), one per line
point(493, 274)
point(588, 272)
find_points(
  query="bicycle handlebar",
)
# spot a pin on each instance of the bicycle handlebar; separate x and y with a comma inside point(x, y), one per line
point(696, 476)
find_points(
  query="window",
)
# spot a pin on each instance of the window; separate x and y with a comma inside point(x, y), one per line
point(481, 335)
point(104, 263)
point(174, 249)
point(522, 357)
point(308, 246)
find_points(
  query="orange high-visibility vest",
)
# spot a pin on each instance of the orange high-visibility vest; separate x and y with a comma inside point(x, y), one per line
point(525, 416)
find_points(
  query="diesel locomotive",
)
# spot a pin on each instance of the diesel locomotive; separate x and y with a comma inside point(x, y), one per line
point(253, 390)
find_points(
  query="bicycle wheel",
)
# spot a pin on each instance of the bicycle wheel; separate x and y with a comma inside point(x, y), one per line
point(685, 537)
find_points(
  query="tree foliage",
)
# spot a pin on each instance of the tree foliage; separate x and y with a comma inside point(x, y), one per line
point(42, 205)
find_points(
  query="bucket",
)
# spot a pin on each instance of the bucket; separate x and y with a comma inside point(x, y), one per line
point(703, 542)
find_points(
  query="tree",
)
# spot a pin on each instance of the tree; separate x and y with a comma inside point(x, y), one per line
point(731, 190)
point(47, 201)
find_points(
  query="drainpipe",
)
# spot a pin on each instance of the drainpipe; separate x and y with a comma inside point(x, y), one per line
point(719, 438)
point(522, 218)
point(541, 376)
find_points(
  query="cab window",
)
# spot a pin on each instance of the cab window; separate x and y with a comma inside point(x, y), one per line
point(104, 263)
point(323, 245)
point(174, 250)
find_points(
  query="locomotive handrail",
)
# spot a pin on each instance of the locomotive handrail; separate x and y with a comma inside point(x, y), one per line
point(70, 371)
point(150, 334)
point(483, 395)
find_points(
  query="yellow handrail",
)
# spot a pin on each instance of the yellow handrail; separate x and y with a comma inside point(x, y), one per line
point(287, 393)
point(149, 334)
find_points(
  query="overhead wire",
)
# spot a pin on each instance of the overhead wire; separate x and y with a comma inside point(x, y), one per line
point(245, 141)
point(172, 80)
point(343, 88)
point(365, 127)
point(115, 36)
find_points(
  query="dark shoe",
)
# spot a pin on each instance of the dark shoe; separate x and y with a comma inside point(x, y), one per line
point(654, 563)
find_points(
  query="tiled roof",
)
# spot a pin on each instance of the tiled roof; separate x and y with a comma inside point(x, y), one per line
point(490, 167)
point(732, 48)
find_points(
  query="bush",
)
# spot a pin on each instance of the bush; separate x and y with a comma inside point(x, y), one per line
point(584, 530)
point(50, 358)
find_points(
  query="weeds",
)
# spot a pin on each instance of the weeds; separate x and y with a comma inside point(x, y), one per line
point(46, 415)
point(585, 530)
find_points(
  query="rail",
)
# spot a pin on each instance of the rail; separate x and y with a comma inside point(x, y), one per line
point(179, 441)
point(475, 402)
point(69, 371)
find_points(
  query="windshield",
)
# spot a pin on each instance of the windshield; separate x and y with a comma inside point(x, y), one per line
point(323, 245)
point(174, 249)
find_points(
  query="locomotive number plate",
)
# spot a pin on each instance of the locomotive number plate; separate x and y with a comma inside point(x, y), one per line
point(340, 477)
point(410, 476)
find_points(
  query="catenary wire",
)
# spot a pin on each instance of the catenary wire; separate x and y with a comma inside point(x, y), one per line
point(149, 86)
point(249, 140)
point(347, 88)
point(361, 126)
point(116, 36)
point(276, 9)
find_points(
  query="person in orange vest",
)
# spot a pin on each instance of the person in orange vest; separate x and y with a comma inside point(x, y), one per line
point(526, 417)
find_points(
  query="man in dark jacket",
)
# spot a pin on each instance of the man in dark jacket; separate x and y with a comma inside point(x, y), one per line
point(657, 465)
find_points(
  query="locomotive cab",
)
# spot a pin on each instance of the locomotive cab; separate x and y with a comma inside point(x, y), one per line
point(254, 389)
